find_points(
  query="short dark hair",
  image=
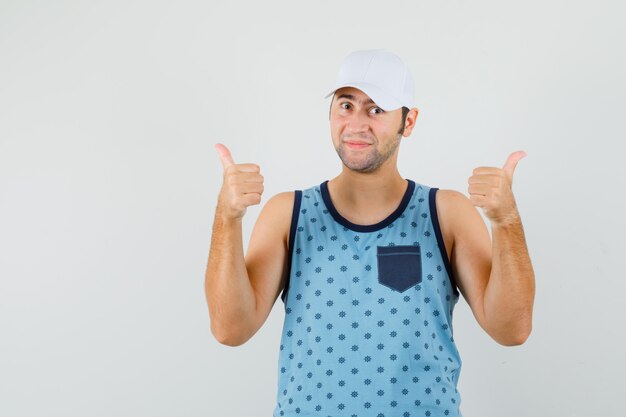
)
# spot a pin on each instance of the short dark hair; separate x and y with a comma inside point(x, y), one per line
point(405, 111)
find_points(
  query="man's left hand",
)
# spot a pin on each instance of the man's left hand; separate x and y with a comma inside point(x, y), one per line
point(491, 189)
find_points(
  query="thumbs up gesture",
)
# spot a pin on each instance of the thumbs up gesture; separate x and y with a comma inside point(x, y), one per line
point(242, 186)
point(491, 189)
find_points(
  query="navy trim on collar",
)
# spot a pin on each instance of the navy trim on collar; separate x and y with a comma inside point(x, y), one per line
point(370, 227)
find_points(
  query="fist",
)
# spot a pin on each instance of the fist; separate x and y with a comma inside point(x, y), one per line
point(490, 188)
point(242, 186)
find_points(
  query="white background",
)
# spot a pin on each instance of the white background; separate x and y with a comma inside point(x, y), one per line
point(109, 112)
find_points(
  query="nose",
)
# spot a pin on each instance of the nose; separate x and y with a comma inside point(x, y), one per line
point(358, 124)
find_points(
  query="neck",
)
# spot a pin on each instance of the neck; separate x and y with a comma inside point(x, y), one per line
point(367, 192)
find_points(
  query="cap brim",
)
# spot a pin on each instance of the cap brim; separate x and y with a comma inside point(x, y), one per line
point(382, 99)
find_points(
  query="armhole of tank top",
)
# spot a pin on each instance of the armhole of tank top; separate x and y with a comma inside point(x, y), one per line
point(292, 237)
point(432, 202)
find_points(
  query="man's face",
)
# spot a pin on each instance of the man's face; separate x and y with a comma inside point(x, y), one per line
point(354, 117)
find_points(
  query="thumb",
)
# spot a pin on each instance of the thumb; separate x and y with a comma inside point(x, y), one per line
point(225, 157)
point(511, 163)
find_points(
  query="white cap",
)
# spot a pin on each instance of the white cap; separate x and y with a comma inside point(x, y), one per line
point(380, 74)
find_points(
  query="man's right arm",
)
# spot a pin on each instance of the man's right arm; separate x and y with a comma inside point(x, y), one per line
point(240, 291)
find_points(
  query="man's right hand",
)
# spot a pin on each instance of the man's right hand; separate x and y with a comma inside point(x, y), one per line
point(242, 186)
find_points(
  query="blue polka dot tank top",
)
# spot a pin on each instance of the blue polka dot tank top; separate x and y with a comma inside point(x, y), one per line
point(368, 313)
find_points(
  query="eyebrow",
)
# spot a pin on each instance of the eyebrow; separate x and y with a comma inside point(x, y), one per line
point(351, 97)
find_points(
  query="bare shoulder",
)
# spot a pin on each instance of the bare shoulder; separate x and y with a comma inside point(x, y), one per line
point(278, 211)
point(457, 207)
point(452, 202)
point(281, 201)
point(449, 196)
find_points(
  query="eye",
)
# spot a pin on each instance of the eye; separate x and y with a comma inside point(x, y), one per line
point(380, 111)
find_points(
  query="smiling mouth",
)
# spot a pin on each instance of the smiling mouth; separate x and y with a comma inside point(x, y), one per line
point(357, 145)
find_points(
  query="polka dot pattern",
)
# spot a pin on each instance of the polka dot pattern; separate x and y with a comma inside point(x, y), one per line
point(358, 344)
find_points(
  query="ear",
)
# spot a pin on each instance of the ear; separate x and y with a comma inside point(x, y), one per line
point(411, 116)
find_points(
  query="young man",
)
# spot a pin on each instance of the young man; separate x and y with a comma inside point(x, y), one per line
point(370, 264)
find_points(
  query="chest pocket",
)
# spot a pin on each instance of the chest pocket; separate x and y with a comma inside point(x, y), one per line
point(399, 267)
